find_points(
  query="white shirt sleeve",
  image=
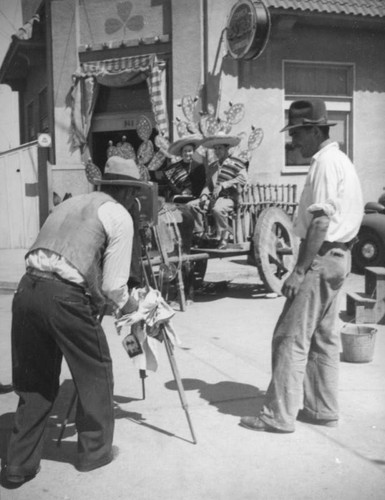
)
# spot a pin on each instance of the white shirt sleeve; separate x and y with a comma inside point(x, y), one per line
point(332, 185)
point(325, 184)
point(118, 224)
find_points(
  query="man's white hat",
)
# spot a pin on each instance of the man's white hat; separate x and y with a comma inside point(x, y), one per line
point(121, 171)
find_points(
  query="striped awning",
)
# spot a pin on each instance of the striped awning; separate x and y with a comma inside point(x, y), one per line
point(118, 65)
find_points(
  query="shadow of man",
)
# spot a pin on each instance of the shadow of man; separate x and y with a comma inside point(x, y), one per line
point(231, 398)
point(66, 450)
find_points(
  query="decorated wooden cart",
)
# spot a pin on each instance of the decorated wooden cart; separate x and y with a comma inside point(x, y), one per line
point(262, 229)
point(261, 222)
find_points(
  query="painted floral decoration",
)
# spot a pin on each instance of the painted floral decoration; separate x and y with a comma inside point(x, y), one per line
point(125, 22)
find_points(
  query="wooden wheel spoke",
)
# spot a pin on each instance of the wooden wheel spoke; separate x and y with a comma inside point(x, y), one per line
point(281, 268)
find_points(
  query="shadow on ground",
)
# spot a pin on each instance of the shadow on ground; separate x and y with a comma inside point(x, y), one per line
point(63, 448)
point(214, 290)
point(231, 398)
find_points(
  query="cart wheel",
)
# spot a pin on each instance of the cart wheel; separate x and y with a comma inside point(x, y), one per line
point(275, 247)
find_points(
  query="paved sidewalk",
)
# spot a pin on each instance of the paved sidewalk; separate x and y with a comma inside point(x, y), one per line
point(11, 267)
point(224, 362)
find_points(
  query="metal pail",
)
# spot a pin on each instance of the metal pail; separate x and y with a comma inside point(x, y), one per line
point(358, 343)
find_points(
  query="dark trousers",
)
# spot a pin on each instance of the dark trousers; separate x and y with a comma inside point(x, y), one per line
point(51, 319)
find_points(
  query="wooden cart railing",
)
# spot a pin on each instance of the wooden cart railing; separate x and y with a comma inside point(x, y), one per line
point(253, 199)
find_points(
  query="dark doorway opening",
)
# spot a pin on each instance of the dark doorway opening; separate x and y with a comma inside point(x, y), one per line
point(100, 142)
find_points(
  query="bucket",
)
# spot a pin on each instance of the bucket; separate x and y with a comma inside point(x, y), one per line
point(358, 343)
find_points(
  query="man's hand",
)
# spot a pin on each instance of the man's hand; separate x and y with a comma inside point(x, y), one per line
point(204, 202)
point(130, 306)
point(292, 284)
point(217, 189)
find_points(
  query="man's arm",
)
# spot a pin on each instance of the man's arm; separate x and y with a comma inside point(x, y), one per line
point(308, 250)
point(238, 180)
point(118, 225)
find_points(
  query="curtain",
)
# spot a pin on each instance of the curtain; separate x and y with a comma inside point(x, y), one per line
point(120, 72)
point(83, 97)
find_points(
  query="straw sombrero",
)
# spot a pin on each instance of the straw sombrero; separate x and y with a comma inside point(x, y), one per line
point(176, 147)
point(215, 140)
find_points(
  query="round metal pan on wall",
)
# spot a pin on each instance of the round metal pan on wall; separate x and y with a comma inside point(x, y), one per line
point(248, 29)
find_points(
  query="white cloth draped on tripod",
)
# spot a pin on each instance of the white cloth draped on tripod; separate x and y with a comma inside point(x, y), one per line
point(153, 314)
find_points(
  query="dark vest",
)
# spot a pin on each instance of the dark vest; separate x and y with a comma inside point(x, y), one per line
point(74, 231)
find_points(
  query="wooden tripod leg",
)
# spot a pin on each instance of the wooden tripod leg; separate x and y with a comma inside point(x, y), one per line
point(66, 420)
point(181, 293)
point(175, 371)
point(170, 354)
point(143, 376)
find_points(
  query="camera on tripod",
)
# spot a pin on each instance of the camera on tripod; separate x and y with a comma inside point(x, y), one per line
point(148, 205)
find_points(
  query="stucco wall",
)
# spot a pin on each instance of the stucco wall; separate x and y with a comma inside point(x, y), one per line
point(187, 52)
point(80, 23)
point(258, 84)
point(9, 130)
point(101, 21)
point(369, 112)
point(68, 171)
point(369, 150)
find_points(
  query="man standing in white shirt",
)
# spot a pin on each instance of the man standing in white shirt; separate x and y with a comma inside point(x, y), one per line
point(305, 345)
point(79, 262)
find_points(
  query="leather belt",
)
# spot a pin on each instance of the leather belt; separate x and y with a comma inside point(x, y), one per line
point(48, 275)
point(329, 245)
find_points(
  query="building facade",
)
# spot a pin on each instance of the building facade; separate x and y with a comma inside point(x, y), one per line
point(93, 74)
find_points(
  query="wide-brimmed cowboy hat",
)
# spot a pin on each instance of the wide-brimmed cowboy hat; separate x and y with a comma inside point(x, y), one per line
point(121, 171)
point(226, 140)
point(176, 147)
point(308, 113)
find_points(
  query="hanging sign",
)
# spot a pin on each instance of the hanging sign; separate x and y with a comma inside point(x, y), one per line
point(248, 29)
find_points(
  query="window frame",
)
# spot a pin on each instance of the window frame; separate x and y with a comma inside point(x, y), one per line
point(342, 104)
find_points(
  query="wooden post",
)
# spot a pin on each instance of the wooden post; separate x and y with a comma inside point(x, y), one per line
point(42, 177)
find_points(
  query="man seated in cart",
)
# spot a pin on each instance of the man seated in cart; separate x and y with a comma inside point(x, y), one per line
point(219, 196)
point(187, 177)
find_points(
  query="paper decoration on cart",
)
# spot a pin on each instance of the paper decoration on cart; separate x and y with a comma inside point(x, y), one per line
point(145, 152)
point(160, 156)
point(123, 149)
point(146, 148)
point(210, 124)
point(144, 128)
point(93, 172)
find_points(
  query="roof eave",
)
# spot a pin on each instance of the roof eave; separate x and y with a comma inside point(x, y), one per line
point(20, 56)
point(297, 16)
